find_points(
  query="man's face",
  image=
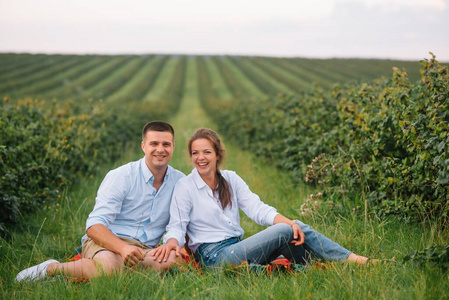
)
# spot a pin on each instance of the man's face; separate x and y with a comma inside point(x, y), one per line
point(158, 148)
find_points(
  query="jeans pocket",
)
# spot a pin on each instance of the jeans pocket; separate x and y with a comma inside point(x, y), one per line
point(207, 254)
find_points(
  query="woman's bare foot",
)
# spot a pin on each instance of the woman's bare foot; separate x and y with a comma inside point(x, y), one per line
point(357, 259)
point(365, 260)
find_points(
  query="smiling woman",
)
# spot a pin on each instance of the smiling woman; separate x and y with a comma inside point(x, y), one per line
point(207, 154)
point(205, 206)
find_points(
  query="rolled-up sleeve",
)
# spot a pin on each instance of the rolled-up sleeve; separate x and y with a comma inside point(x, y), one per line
point(250, 203)
point(180, 208)
point(109, 200)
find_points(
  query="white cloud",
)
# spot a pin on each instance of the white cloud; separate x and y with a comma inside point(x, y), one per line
point(399, 4)
point(324, 28)
point(162, 10)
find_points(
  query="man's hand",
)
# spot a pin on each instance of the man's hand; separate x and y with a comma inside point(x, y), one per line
point(162, 253)
point(298, 235)
point(132, 255)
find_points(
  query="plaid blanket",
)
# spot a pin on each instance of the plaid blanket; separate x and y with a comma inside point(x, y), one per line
point(279, 265)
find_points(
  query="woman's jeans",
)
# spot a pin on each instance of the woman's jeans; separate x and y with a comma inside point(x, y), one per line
point(268, 244)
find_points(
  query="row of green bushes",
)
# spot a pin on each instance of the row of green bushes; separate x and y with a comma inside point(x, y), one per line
point(45, 146)
point(384, 144)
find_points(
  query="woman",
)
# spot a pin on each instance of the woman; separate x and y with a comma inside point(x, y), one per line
point(205, 206)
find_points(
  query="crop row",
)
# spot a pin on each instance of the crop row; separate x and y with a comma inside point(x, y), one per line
point(383, 144)
point(52, 78)
point(122, 77)
point(77, 87)
point(23, 77)
point(14, 66)
point(138, 88)
point(108, 85)
point(10, 78)
point(46, 144)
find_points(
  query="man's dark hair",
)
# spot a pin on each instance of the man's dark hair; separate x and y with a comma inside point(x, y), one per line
point(157, 126)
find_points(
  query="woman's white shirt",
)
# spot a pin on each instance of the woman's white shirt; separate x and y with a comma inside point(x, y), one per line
point(196, 210)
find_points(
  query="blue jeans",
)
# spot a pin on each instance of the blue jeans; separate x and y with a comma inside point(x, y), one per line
point(268, 244)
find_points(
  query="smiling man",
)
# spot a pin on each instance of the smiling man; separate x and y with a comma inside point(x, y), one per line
point(130, 214)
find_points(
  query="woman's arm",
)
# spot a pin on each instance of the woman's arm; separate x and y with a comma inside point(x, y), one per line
point(260, 212)
point(180, 208)
point(298, 235)
point(249, 202)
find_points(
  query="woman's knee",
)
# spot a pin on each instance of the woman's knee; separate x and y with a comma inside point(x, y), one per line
point(304, 227)
point(282, 226)
point(285, 231)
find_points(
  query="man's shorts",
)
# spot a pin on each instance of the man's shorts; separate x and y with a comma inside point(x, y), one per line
point(90, 248)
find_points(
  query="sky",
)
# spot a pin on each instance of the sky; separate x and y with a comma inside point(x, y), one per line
point(392, 29)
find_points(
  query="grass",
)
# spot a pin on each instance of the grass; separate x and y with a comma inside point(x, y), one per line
point(245, 82)
point(162, 81)
point(110, 84)
point(138, 85)
point(266, 81)
point(56, 232)
point(79, 84)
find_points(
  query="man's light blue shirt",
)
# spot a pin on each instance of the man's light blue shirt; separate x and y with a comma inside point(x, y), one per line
point(129, 205)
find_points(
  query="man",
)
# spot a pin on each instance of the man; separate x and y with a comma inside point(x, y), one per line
point(130, 214)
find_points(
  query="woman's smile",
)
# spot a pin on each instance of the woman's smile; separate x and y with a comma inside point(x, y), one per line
point(204, 157)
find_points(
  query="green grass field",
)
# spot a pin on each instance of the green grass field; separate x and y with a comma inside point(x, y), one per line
point(55, 231)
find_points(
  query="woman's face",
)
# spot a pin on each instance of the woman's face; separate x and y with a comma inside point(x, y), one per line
point(204, 158)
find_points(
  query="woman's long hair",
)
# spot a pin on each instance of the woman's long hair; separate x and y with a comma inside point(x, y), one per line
point(224, 191)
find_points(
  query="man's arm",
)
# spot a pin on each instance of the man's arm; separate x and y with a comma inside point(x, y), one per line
point(101, 235)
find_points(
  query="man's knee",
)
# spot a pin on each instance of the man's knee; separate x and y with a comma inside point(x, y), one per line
point(172, 261)
point(108, 262)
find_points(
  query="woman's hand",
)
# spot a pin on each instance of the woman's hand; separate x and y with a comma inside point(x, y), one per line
point(298, 235)
point(162, 253)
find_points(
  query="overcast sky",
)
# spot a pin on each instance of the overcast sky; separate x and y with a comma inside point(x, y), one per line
point(396, 29)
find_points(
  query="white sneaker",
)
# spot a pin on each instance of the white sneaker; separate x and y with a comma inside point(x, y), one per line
point(35, 272)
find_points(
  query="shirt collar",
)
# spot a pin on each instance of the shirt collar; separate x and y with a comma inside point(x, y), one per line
point(147, 175)
point(199, 182)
